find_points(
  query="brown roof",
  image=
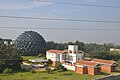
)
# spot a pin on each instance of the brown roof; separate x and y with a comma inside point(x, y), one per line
point(62, 51)
point(80, 51)
point(57, 51)
point(103, 61)
point(86, 63)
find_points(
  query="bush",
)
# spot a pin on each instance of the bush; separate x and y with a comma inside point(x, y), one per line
point(32, 71)
point(7, 71)
point(40, 55)
point(44, 58)
point(49, 62)
point(48, 70)
point(65, 69)
point(26, 67)
point(60, 67)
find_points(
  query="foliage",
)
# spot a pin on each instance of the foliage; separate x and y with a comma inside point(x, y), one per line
point(102, 55)
point(10, 57)
point(1, 41)
point(53, 45)
point(7, 71)
point(60, 67)
point(61, 46)
point(49, 62)
point(107, 55)
point(48, 70)
point(40, 55)
point(118, 63)
point(33, 71)
point(115, 56)
point(27, 67)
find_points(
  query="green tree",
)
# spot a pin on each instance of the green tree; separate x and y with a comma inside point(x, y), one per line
point(115, 55)
point(81, 45)
point(50, 45)
point(102, 55)
point(27, 67)
point(10, 57)
point(59, 67)
point(49, 62)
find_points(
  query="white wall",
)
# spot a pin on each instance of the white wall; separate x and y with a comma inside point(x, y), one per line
point(80, 56)
point(72, 58)
point(51, 56)
point(69, 67)
point(72, 48)
point(54, 56)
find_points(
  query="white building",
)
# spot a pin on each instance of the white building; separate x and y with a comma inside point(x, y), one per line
point(8, 41)
point(68, 56)
point(112, 49)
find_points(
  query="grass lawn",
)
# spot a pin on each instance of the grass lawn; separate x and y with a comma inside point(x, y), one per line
point(68, 75)
point(30, 57)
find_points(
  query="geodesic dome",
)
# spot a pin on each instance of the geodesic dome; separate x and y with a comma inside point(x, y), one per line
point(30, 42)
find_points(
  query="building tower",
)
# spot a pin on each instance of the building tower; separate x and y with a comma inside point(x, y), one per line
point(74, 53)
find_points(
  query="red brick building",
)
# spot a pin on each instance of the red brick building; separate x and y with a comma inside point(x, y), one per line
point(87, 67)
point(106, 65)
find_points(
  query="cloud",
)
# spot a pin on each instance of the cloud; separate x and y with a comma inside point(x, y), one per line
point(21, 5)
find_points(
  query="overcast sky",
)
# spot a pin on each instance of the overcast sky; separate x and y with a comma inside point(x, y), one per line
point(53, 10)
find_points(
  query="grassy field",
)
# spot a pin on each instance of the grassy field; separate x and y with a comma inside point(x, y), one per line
point(30, 57)
point(68, 75)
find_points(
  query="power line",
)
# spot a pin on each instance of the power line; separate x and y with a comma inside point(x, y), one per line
point(78, 4)
point(56, 28)
point(60, 19)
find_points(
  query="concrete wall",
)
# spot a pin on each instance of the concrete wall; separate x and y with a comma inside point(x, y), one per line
point(69, 67)
point(72, 58)
point(51, 56)
point(72, 48)
point(79, 56)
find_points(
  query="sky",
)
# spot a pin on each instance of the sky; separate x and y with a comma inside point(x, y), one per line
point(35, 8)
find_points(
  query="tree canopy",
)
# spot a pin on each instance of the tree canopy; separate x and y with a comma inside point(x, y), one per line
point(10, 57)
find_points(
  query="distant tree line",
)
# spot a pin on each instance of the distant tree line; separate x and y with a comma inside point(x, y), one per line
point(92, 50)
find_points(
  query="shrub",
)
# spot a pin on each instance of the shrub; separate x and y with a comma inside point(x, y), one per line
point(65, 69)
point(44, 58)
point(26, 67)
point(60, 67)
point(49, 62)
point(40, 55)
point(48, 70)
point(7, 71)
point(32, 71)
